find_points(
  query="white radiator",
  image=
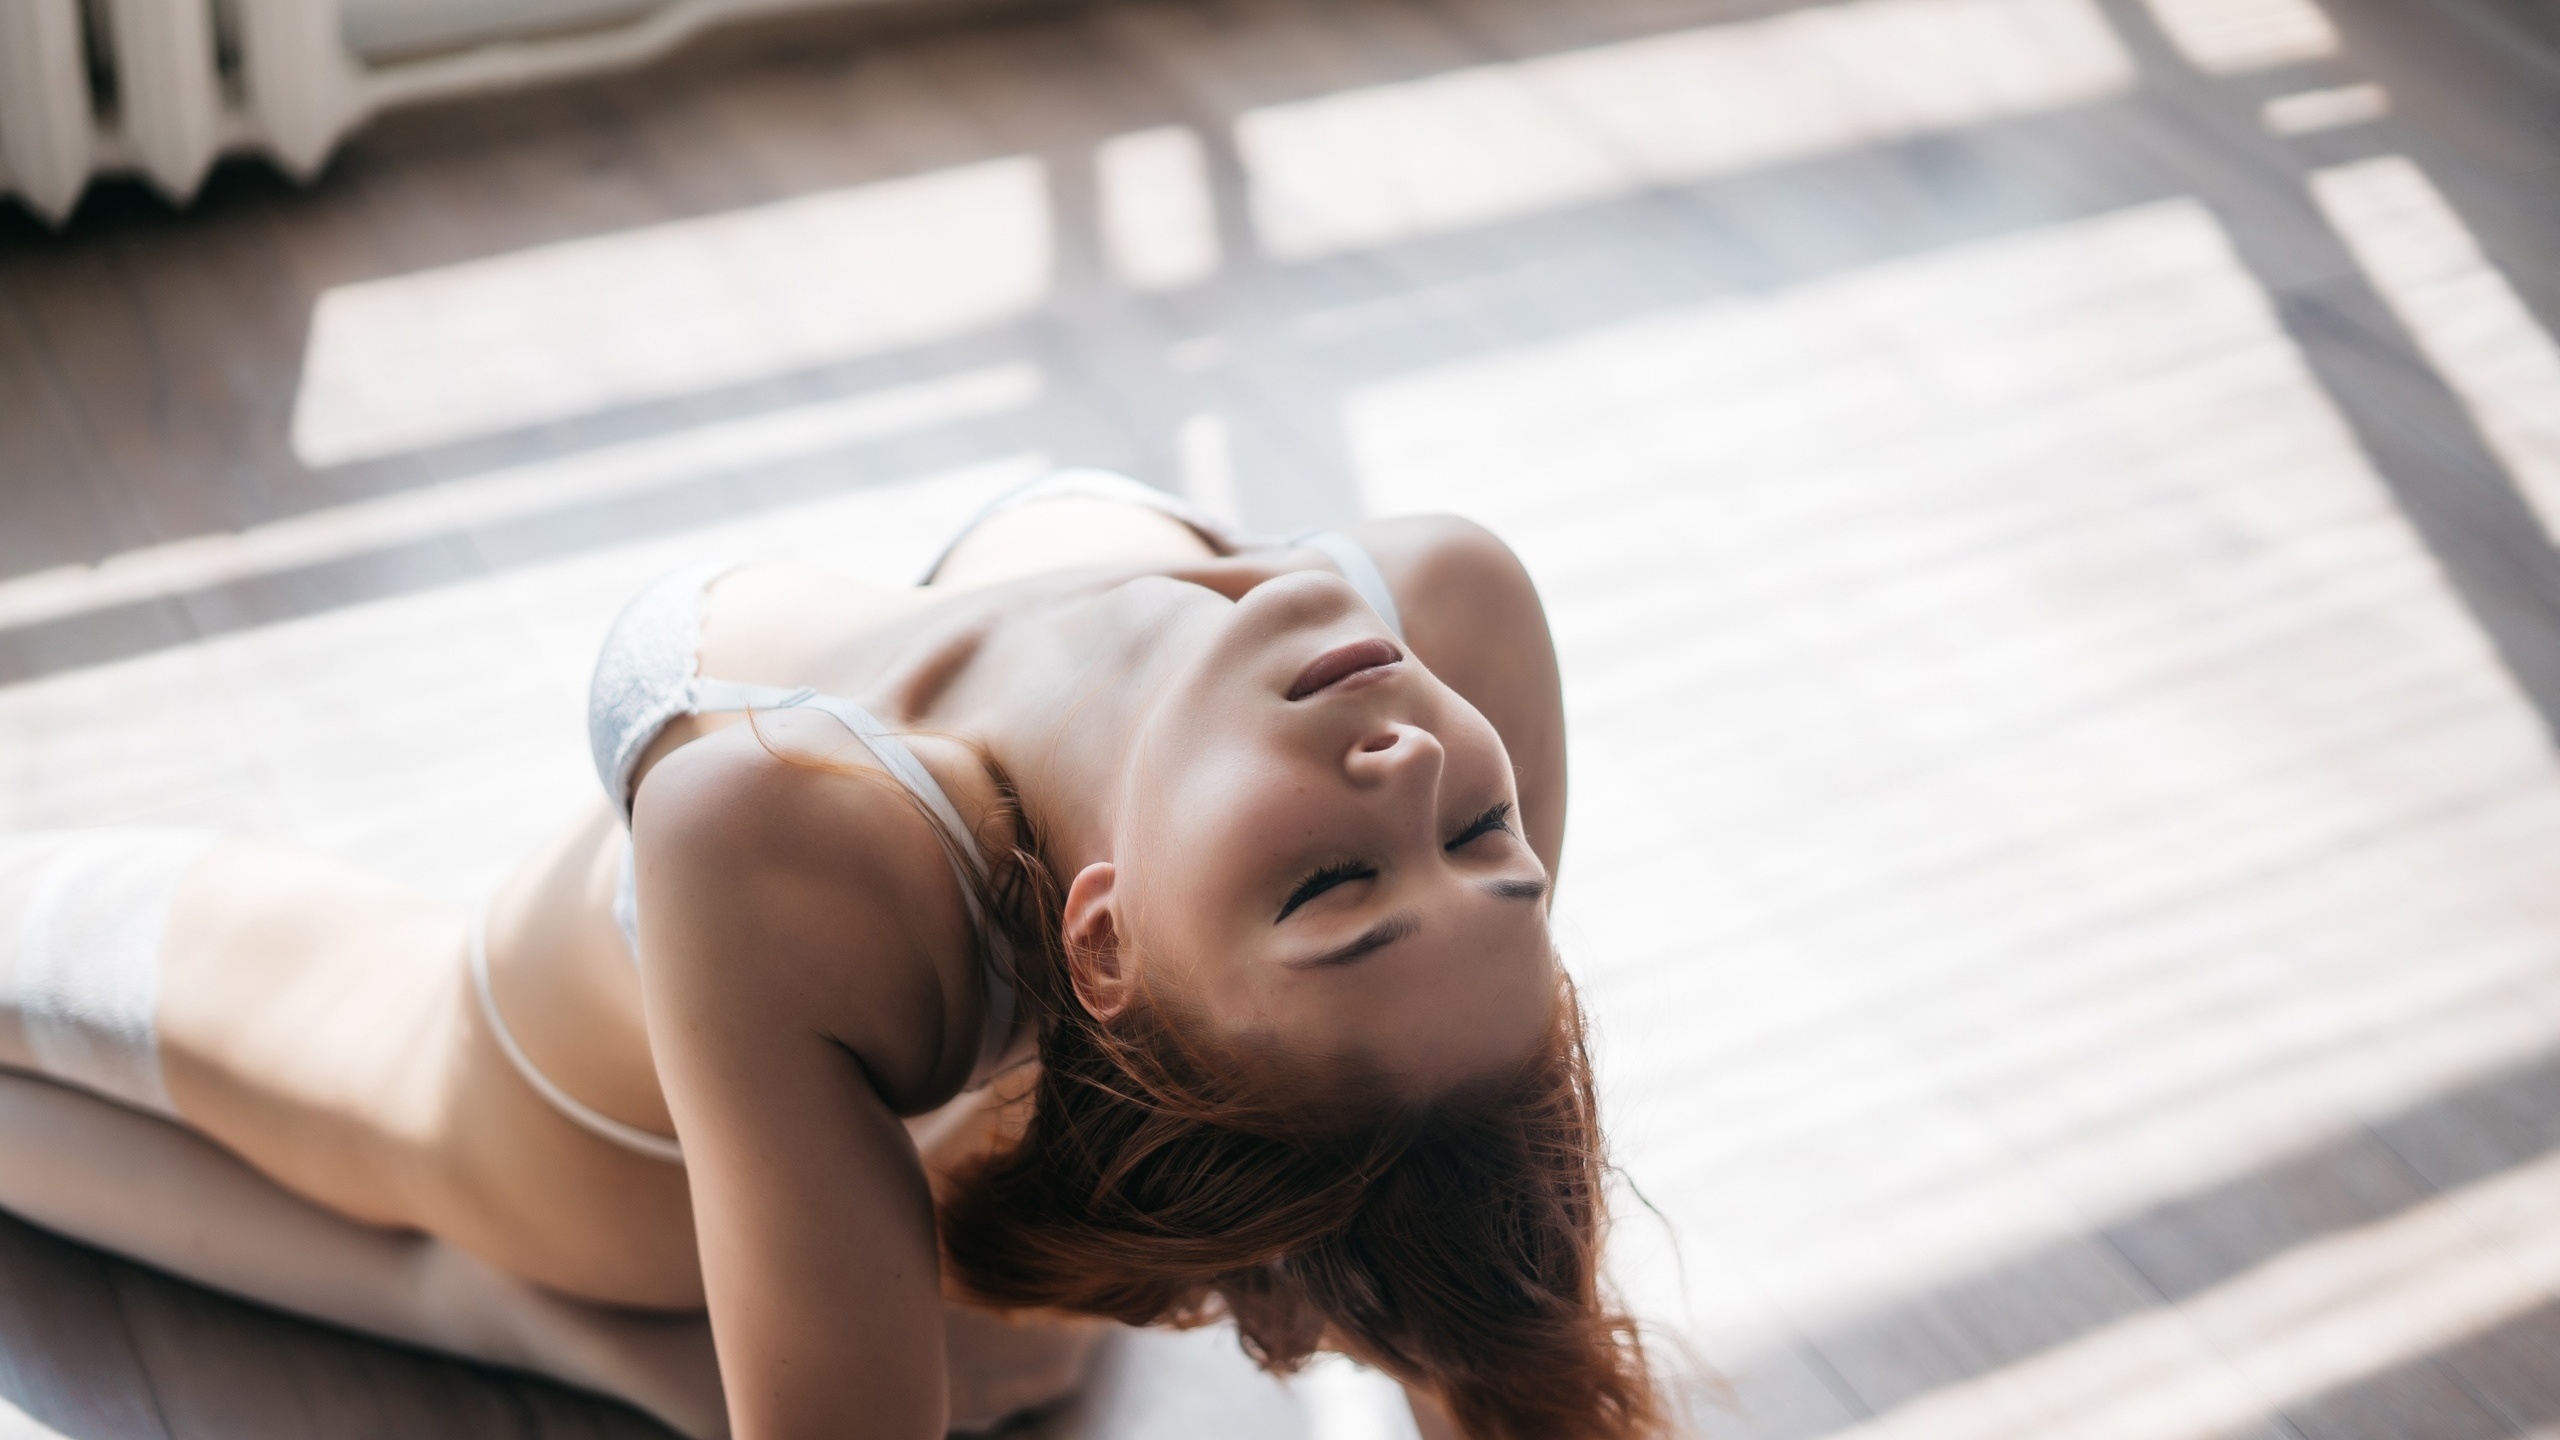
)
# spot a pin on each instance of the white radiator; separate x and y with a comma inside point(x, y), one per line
point(162, 87)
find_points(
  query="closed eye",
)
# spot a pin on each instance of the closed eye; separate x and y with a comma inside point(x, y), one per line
point(1343, 872)
point(1497, 818)
point(1340, 873)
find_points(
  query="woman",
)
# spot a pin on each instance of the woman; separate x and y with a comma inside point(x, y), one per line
point(1155, 939)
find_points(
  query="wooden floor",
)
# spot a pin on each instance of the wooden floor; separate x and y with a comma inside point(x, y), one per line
point(2045, 505)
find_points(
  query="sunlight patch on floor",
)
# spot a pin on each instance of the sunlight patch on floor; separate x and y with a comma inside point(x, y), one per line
point(454, 508)
point(2309, 112)
point(2349, 1305)
point(1419, 157)
point(2465, 315)
point(1159, 218)
point(583, 326)
point(2228, 37)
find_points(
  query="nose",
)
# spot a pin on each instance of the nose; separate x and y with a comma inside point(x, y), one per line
point(1398, 757)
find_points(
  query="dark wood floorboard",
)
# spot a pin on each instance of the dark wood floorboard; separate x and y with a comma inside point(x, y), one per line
point(220, 1368)
point(50, 475)
point(99, 1349)
point(67, 1357)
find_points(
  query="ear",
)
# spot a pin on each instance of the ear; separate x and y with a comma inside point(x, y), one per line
point(1097, 961)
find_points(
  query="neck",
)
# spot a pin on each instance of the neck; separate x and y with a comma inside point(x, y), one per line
point(1058, 696)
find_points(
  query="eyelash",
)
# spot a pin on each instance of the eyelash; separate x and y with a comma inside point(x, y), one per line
point(1497, 818)
point(1342, 872)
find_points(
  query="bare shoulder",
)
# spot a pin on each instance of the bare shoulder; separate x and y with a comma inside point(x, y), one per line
point(1444, 561)
point(781, 855)
point(1470, 609)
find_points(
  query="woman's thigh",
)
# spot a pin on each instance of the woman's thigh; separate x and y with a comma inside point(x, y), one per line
point(1067, 533)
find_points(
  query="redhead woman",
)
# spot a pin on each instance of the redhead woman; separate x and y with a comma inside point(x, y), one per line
point(1126, 925)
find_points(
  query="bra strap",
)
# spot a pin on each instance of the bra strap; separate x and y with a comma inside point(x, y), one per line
point(1352, 559)
point(879, 739)
point(900, 761)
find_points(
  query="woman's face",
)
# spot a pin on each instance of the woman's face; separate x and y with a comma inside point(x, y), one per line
point(1318, 849)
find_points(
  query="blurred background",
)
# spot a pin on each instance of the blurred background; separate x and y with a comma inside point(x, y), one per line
point(2044, 504)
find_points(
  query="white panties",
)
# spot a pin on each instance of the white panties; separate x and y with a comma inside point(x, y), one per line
point(82, 915)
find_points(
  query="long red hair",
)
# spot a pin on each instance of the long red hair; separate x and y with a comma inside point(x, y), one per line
point(1453, 1242)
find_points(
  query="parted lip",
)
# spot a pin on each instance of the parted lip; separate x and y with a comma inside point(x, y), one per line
point(1341, 663)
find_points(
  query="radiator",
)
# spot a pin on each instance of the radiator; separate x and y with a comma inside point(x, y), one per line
point(164, 87)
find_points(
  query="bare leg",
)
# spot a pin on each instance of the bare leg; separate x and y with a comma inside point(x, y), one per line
point(98, 1150)
point(102, 1173)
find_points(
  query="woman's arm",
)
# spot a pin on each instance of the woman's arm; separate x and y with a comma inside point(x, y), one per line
point(1472, 614)
point(814, 1219)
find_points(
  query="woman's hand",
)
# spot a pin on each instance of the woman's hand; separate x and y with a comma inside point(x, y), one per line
point(1429, 1419)
point(1003, 1365)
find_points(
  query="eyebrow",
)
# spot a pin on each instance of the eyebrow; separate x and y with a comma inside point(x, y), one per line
point(1402, 924)
point(1376, 938)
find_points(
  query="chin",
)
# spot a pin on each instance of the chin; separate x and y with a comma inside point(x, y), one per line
point(1299, 600)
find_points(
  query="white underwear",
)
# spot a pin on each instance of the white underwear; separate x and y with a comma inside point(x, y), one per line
point(82, 916)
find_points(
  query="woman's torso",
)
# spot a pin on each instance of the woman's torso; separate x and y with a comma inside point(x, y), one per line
point(563, 969)
point(321, 1021)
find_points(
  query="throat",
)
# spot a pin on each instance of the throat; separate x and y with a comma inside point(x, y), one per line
point(925, 684)
point(1054, 683)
